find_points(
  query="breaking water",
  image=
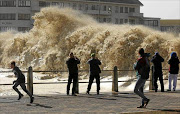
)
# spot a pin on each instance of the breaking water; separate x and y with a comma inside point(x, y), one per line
point(57, 32)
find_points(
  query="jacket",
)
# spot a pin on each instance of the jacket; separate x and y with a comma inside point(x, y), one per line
point(157, 63)
point(72, 65)
point(174, 65)
point(94, 66)
point(142, 67)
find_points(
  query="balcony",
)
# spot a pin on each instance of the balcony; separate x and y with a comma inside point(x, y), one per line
point(97, 12)
point(135, 14)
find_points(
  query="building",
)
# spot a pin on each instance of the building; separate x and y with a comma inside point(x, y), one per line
point(170, 26)
point(16, 14)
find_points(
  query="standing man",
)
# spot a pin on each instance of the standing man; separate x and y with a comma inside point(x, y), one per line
point(157, 63)
point(143, 68)
point(72, 63)
point(94, 72)
point(173, 70)
point(20, 81)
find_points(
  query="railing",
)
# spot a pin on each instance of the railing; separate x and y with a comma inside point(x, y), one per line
point(114, 78)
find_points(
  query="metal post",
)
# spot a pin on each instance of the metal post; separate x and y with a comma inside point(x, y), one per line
point(30, 80)
point(115, 80)
point(151, 85)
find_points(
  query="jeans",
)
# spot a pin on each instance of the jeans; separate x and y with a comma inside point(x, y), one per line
point(139, 89)
point(23, 86)
point(174, 78)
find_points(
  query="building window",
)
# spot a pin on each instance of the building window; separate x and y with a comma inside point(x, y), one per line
point(74, 5)
point(104, 8)
point(7, 3)
point(121, 21)
point(23, 29)
point(131, 21)
point(7, 16)
point(80, 6)
point(24, 3)
point(132, 10)
point(86, 7)
point(126, 21)
point(55, 3)
point(121, 10)
point(152, 22)
point(126, 9)
point(44, 4)
point(6, 28)
point(95, 7)
point(155, 23)
point(23, 16)
point(61, 4)
point(116, 9)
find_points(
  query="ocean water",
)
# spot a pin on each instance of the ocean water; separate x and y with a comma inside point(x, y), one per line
point(57, 32)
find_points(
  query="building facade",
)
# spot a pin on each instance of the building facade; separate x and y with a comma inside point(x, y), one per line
point(16, 14)
point(170, 26)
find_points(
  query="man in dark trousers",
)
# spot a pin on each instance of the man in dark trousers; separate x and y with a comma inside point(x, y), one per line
point(157, 65)
point(72, 63)
point(143, 68)
point(94, 72)
point(20, 81)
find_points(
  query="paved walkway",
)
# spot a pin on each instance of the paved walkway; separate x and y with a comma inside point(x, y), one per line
point(165, 103)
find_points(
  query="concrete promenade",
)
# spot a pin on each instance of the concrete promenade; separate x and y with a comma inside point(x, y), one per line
point(161, 103)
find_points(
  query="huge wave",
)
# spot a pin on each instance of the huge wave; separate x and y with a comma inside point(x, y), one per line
point(57, 32)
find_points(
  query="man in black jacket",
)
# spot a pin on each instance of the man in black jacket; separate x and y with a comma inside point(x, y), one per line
point(94, 72)
point(20, 81)
point(72, 63)
point(157, 63)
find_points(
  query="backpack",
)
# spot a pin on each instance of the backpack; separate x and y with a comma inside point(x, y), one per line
point(144, 68)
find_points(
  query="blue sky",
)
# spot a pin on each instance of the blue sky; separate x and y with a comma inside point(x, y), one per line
point(164, 9)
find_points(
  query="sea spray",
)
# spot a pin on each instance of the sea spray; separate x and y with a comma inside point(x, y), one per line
point(57, 32)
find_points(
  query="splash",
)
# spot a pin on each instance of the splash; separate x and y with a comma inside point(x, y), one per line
point(57, 32)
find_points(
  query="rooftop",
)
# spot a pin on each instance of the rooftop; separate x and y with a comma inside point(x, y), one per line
point(121, 1)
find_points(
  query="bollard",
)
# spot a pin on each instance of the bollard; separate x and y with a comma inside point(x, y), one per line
point(77, 86)
point(151, 83)
point(30, 80)
point(115, 80)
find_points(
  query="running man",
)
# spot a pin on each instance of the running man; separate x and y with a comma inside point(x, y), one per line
point(20, 81)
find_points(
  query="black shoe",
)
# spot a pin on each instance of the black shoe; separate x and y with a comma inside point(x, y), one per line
point(146, 103)
point(20, 96)
point(32, 99)
point(74, 94)
point(141, 106)
point(162, 90)
point(87, 92)
point(67, 93)
point(168, 90)
point(97, 92)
